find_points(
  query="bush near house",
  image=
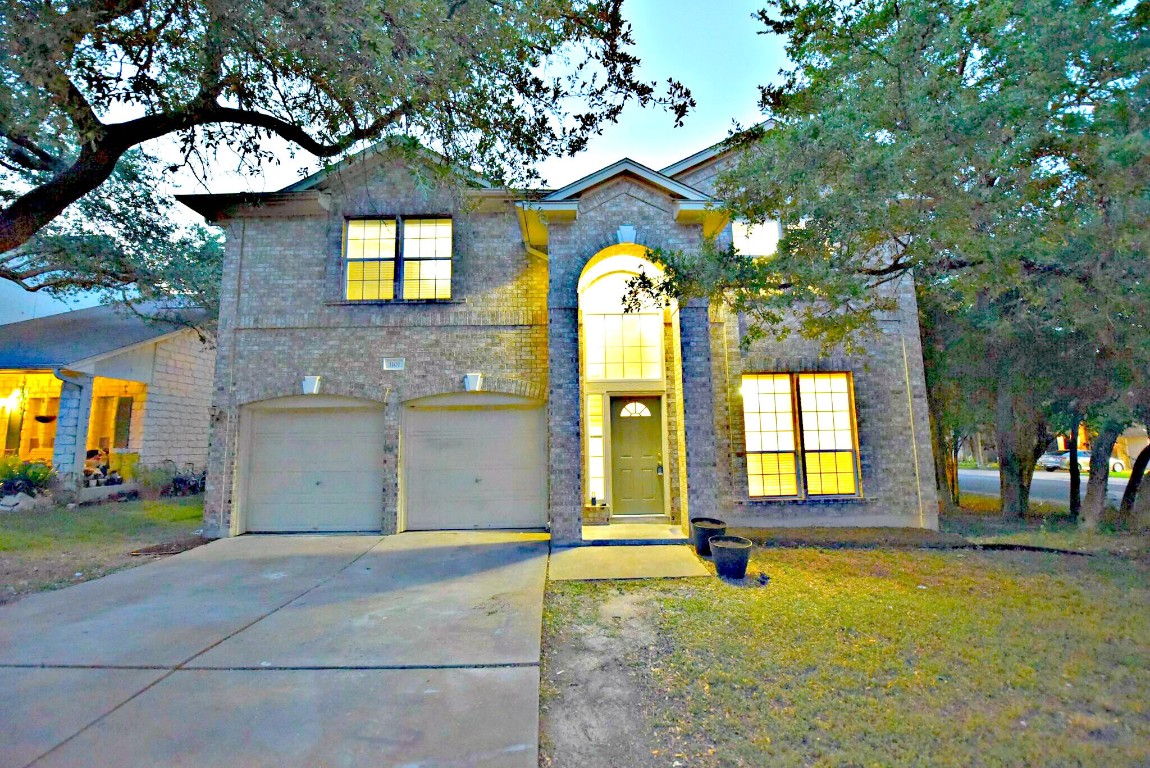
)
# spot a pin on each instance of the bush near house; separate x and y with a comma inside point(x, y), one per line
point(30, 477)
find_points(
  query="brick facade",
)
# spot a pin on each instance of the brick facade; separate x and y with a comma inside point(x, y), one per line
point(173, 417)
point(514, 316)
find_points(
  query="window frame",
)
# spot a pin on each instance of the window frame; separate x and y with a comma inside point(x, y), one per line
point(397, 279)
point(800, 451)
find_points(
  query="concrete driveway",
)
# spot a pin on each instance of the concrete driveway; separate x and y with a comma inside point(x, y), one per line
point(409, 650)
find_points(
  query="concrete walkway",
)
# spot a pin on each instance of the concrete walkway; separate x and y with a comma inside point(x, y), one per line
point(417, 649)
point(667, 561)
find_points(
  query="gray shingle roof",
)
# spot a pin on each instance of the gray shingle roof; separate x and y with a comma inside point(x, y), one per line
point(58, 340)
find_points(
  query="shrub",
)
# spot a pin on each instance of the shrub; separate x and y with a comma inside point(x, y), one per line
point(154, 481)
point(30, 477)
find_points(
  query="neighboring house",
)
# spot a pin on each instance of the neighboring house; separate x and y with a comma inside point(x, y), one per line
point(104, 379)
point(401, 353)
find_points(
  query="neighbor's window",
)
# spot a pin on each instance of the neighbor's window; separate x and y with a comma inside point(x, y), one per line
point(756, 239)
point(811, 413)
point(405, 258)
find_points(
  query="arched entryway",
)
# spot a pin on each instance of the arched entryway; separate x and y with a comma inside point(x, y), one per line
point(629, 369)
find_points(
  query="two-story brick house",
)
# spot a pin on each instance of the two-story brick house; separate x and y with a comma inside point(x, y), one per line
point(401, 352)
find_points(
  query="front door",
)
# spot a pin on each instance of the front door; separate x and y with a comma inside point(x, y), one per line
point(636, 456)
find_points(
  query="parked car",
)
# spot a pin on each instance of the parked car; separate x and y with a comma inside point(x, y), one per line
point(1056, 460)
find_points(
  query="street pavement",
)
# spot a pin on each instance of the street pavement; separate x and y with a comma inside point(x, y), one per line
point(1046, 486)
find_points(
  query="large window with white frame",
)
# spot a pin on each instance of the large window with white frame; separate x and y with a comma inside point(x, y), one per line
point(405, 258)
point(793, 416)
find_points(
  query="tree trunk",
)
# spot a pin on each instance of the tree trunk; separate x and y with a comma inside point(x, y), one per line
point(1095, 503)
point(1137, 472)
point(1021, 435)
point(1075, 471)
point(1140, 512)
point(976, 449)
point(944, 471)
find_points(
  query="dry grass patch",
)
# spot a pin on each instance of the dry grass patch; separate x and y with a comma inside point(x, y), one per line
point(881, 657)
point(48, 550)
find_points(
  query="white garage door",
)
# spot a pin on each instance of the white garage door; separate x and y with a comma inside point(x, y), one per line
point(315, 469)
point(474, 467)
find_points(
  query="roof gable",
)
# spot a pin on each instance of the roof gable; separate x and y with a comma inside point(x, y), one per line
point(366, 158)
point(628, 167)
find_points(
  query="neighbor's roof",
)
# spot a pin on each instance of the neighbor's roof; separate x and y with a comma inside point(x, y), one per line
point(59, 340)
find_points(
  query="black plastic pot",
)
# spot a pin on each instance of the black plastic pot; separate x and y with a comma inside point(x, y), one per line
point(702, 529)
point(731, 553)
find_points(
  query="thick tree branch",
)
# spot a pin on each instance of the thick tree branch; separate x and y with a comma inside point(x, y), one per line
point(97, 159)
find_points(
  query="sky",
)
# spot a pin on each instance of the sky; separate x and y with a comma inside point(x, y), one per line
point(711, 46)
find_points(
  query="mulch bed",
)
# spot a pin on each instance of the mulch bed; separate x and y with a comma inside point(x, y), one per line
point(172, 547)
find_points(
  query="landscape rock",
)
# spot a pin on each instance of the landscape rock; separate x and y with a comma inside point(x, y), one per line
point(20, 502)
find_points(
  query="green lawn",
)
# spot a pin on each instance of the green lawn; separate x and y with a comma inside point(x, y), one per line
point(44, 550)
point(880, 657)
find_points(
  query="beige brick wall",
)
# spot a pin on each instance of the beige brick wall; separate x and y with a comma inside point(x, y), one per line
point(514, 317)
point(283, 317)
point(177, 406)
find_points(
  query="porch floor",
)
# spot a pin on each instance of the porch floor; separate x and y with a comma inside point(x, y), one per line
point(629, 562)
point(662, 532)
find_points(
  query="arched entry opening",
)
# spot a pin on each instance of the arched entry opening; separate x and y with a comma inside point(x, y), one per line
point(631, 383)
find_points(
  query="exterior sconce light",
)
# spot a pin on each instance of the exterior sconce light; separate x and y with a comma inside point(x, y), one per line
point(472, 382)
point(311, 385)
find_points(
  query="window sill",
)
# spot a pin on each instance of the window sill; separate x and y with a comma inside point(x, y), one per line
point(804, 500)
point(396, 303)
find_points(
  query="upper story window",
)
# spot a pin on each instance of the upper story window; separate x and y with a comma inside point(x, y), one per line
point(756, 239)
point(402, 258)
point(791, 415)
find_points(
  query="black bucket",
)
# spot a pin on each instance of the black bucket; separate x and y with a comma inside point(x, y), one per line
point(702, 529)
point(731, 553)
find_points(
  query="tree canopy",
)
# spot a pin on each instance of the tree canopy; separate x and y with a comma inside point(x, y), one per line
point(998, 151)
point(495, 85)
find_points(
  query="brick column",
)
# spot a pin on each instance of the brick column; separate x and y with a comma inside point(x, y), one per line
point(698, 409)
point(71, 447)
point(564, 415)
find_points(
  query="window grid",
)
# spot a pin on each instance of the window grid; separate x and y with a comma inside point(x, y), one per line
point(770, 435)
point(825, 432)
point(370, 260)
point(596, 486)
point(426, 259)
point(386, 259)
point(828, 434)
point(623, 346)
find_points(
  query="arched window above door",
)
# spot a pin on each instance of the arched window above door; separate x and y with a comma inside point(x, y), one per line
point(634, 410)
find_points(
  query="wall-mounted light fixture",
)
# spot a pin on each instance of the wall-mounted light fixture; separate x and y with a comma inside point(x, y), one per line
point(473, 382)
point(311, 385)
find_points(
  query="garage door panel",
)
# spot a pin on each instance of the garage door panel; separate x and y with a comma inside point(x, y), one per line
point(315, 470)
point(475, 468)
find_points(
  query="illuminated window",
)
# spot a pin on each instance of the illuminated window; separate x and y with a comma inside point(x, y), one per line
point(768, 411)
point(825, 424)
point(756, 239)
point(370, 259)
point(623, 346)
point(633, 410)
point(596, 488)
point(397, 258)
point(828, 434)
